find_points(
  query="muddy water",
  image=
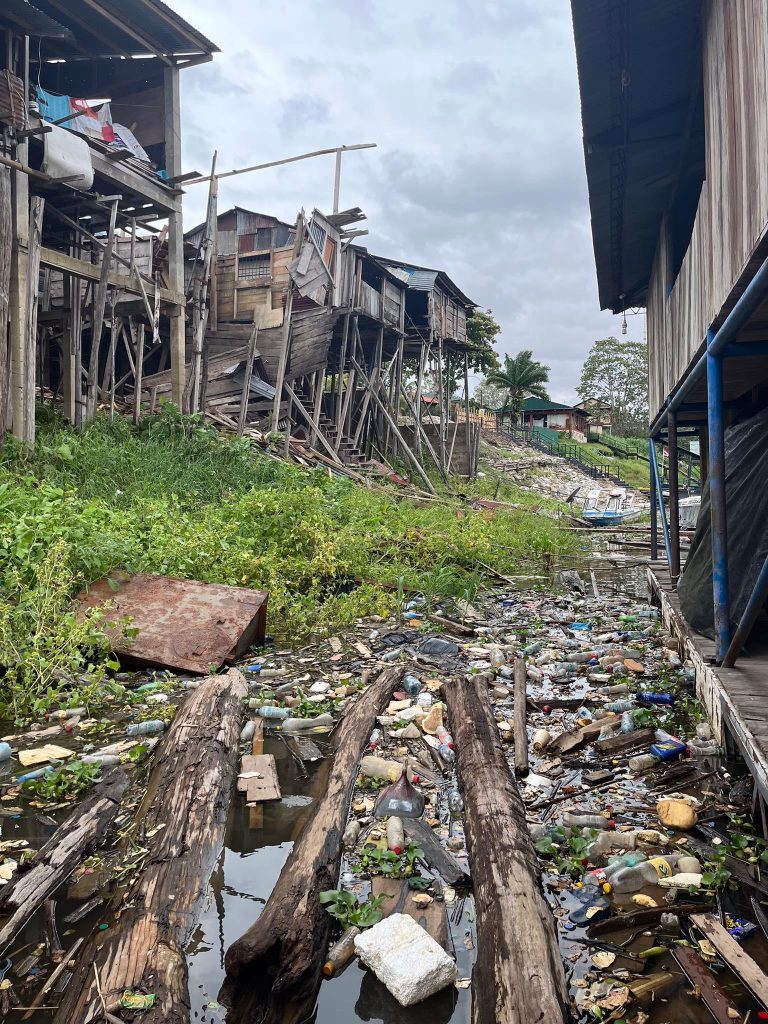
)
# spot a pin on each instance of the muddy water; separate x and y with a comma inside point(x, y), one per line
point(257, 844)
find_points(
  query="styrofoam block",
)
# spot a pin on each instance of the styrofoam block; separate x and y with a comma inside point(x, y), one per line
point(405, 958)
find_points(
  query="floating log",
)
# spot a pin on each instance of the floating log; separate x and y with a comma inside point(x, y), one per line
point(520, 723)
point(519, 974)
point(275, 967)
point(77, 837)
point(182, 819)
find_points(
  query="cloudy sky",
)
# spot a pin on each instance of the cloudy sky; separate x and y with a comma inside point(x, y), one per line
point(479, 168)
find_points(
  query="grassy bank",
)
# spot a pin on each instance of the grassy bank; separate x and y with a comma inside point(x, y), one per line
point(173, 497)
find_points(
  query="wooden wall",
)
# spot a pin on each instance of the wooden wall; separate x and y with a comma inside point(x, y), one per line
point(732, 215)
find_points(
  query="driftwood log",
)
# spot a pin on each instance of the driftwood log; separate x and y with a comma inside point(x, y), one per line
point(77, 837)
point(275, 967)
point(182, 819)
point(519, 976)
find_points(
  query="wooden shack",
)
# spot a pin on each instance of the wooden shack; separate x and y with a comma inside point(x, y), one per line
point(81, 185)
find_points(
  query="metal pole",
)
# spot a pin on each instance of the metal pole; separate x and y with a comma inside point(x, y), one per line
point(654, 514)
point(752, 610)
point(660, 500)
point(716, 424)
point(674, 496)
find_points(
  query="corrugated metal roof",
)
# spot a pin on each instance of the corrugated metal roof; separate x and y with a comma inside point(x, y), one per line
point(547, 405)
point(23, 16)
point(639, 72)
point(422, 280)
point(419, 280)
point(132, 28)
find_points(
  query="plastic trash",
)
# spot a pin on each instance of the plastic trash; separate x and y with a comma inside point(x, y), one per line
point(401, 799)
point(497, 658)
point(584, 716)
point(105, 760)
point(563, 670)
point(447, 753)
point(150, 728)
point(455, 802)
point(620, 705)
point(270, 711)
point(607, 731)
point(541, 739)
point(341, 952)
point(444, 738)
point(305, 724)
point(592, 907)
point(437, 647)
point(642, 763)
point(607, 841)
point(61, 716)
point(380, 768)
point(374, 740)
point(586, 821)
point(627, 722)
point(246, 733)
point(425, 699)
point(5, 751)
point(617, 688)
point(351, 833)
point(703, 731)
point(656, 698)
point(705, 748)
point(36, 774)
point(395, 835)
point(412, 685)
point(668, 750)
point(405, 958)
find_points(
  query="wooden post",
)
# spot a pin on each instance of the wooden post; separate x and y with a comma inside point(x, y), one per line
point(18, 296)
point(518, 976)
point(467, 427)
point(319, 382)
point(340, 390)
point(200, 288)
point(422, 434)
point(285, 339)
point(139, 342)
point(114, 331)
point(97, 323)
point(308, 419)
point(440, 397)
point(520, 718)
point(419, 389)
point(396, 431)
point(172, 125)
point(246, 394)
point(6, 251)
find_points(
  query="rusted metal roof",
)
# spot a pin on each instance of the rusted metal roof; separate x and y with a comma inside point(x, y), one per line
point(183, 624)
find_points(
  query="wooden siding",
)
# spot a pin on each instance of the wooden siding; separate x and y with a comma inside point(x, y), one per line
point(732, 215)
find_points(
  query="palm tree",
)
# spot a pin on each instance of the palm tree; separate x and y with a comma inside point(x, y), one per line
point(521, 377)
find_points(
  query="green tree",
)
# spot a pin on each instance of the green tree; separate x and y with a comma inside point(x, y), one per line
point(520, 377)
point(617, 373)
point(488, 396)
point(482, 332)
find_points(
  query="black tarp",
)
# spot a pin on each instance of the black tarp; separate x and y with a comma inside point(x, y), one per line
point(746, 489)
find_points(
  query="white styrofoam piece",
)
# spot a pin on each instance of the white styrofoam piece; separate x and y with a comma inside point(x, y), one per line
point(405, 958)
point(66, 155)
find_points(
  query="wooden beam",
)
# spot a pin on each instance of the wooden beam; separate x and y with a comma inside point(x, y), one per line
point(520, 718)
point(36, 207)
point(103, 10)
point(247, 382)
point(132, 181)
point(6, 248)
point(19, 266)
point(733, 956)
point(320, 436)
point(90, 272)
point(97, 324)
point(175, 231)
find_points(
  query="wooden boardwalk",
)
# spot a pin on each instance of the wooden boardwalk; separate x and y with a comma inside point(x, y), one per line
point(736, 698)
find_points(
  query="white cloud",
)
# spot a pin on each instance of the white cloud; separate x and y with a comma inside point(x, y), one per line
point(479, 166)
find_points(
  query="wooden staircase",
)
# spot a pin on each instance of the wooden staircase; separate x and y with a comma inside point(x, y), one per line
point(346, 450)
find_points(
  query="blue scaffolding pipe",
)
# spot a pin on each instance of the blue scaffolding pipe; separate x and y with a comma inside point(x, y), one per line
point(654, 523)
point(752, 610)
point(660, 499)
point(716, 477)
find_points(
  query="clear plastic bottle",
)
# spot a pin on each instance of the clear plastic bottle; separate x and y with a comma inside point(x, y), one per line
point(643, 763)
point(150, 728)
point(444, 738)
point(446, 753)
point(455, 802)
point(341, 952)
point(395, 835)
point(497, 658)
point(627, 722)
point(351, 833)
point(620, 705)
point(412, 686)
point(375, 738)
point(585, 821)
point(270, 711)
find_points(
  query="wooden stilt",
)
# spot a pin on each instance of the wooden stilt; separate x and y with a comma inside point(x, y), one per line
point(97, 321)
point(246, 393)
point(6, 243)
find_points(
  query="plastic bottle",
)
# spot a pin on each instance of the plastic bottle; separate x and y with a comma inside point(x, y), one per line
point(412, 686)
point(607, 841)
point(444, 738)
point(36, 774)
point(586, 821)
point(541, 739)
point(5, 751)
point(563, 669)
point(150, 728)
point(148, 687)
point(374, 740)
point(341, 952)
point(618, 688)
point(105, 760)
point(424, 700)
point(446, 753)
point(656, 698)
point(455, 802)
point(395, 835)
point(532, 648)
point(607, 731)
point(305, 724)
point(509, 673)
point(379, 768)
point(703, 731)
point(584, 716)
point(627, 722)
point(246, 733)
point(157, 698)
point(648, 872)
point(270, 711)
point(705, 748)
point(642, 763)
point(61, 716)
point(620, 705)
point(351, 833)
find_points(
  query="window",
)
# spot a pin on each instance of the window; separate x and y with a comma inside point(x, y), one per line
point(252, 268)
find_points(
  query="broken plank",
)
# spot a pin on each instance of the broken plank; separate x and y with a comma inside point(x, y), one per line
point(624, 741)
point(733, 956)
point(707, 986)
point(575, 738)
point(304, 748)
point(435, 853)
point(258, 778)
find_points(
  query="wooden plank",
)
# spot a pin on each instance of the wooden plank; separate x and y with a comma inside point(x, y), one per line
point(91, 272)
point(399, 899)
point(712, 994)
point(435, 853)
point(520, 720)
point(263, 786)
point(733, 956)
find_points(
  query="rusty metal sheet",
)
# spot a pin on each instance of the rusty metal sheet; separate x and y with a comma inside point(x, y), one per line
point(183, 624)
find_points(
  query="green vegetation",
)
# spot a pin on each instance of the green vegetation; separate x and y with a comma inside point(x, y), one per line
point(63, 783)
point(344, 906)
point(173, 497)
point(634, 472)
point(520, 377)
